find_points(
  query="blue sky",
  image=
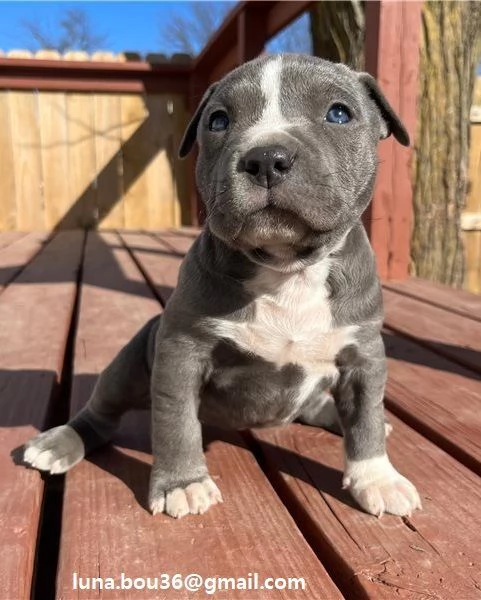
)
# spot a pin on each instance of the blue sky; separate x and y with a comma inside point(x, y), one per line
point(131, 26)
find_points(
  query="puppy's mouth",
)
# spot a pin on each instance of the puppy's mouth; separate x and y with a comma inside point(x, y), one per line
point(271, 227)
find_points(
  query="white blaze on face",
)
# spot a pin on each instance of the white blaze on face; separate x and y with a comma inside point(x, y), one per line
point(272, 121)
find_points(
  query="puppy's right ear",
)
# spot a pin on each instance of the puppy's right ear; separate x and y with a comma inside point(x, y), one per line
point(190, 134)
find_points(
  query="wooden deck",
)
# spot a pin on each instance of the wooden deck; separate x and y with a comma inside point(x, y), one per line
point(68, 305)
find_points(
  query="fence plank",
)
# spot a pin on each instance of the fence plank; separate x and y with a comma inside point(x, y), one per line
point(108, 157)
point(52, 110)
point(27, 165)
point(180, 167)
point(472, 239)
point(159, 172)
point(32, 346)
point(81, 151)
point(8, 209)
point(134, 113)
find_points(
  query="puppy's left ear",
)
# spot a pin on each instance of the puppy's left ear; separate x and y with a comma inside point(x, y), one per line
point(391, 122)
point(190, 134)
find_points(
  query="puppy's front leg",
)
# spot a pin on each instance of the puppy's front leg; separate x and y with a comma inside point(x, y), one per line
point(372, 480)
point(180, 483)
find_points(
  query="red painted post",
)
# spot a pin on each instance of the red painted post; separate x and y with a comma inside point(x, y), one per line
point(392, 55)
point(251, 31)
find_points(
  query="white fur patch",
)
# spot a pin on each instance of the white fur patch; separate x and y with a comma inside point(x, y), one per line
point(194, 499)
point(292, 323)
point(272, 120)
point(56, 450)
point(378, 487)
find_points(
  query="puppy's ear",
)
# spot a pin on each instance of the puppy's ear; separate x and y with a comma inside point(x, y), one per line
point(190, 134)
point(391, 122)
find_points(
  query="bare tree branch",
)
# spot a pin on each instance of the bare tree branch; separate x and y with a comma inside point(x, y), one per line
point(190, 31)
point(74, 31)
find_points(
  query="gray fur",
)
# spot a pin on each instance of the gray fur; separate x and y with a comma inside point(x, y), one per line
point(199, 361)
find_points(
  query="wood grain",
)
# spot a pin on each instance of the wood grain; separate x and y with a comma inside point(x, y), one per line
point(35, 313)
point(106, 527)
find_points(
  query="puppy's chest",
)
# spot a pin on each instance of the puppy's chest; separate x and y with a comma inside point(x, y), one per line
point(291, 323)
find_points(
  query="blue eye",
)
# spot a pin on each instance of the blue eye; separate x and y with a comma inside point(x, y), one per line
point(338, 113)
point(219, 121)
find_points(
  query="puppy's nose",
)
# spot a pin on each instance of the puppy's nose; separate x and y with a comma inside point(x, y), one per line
point(267, 165)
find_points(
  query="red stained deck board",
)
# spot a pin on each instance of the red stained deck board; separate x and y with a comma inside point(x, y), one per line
point(437, 294)
point(35, 313)
point(15, 255)
point(9, 237)
point(160, 262)
point(451, 335)
point(436, 396)
point(434, 554)
point(106, 527)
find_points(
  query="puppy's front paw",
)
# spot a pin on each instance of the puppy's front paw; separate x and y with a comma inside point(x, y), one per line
point(193, 499)
point(377, 486)
point(56, 450)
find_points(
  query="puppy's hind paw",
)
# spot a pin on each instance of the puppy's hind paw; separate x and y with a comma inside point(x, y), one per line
point(378, 488)
point(56, 450)
point(193, 499)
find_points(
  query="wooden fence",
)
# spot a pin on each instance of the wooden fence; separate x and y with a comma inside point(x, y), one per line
point(91, 158)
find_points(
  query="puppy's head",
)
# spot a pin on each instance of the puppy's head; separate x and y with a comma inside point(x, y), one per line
point(287, 155)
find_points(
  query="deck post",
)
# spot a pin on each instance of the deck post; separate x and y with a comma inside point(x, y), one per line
point(251, 32)
point(393, 33)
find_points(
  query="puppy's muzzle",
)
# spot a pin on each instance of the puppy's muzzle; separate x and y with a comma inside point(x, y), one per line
point(267, 166)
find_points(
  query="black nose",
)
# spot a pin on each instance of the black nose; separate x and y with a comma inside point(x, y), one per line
point(267, 165)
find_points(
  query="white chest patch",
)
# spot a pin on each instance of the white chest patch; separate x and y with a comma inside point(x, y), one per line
point(292, 322)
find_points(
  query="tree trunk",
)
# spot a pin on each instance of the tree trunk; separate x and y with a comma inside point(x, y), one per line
point(440, 164)
point(440, 169)
point(337, 30)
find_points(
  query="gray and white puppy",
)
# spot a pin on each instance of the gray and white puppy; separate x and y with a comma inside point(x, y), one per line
point(278, 299)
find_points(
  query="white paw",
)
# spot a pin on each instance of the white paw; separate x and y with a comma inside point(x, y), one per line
point(378, 488)
point(194, 499)
point(56, 450)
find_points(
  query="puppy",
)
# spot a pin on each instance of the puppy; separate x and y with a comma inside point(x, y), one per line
point(278, 299)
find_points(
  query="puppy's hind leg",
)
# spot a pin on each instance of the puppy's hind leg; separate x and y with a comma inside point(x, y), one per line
point(122, 386)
